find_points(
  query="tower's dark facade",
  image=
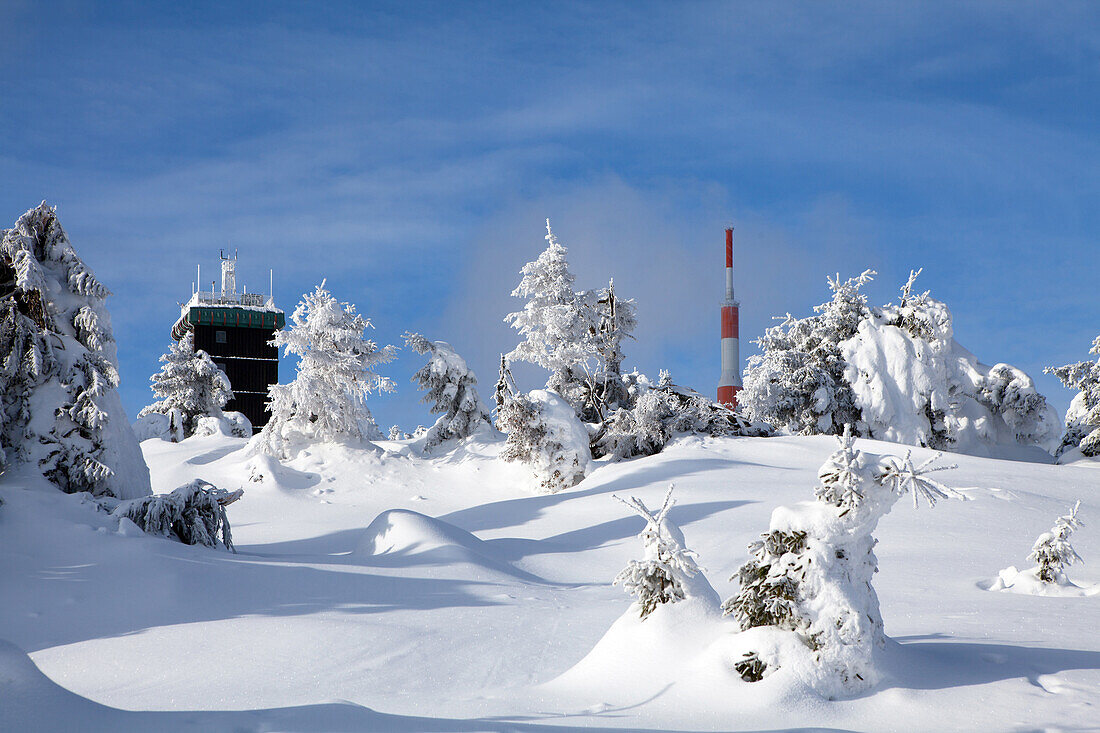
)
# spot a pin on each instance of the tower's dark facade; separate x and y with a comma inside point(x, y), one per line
point(235, 329)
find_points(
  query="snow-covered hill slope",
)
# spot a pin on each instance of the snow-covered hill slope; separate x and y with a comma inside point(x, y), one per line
point(382, 591)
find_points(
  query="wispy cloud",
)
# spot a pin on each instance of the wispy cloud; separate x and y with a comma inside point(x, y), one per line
point(410, 157)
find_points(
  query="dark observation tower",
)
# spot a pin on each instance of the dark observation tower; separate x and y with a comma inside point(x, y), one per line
point(235, 328)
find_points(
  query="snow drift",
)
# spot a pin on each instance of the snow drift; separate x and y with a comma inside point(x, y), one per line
point(399, 534)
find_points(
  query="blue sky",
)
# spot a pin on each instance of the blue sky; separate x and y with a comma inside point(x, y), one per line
point(409, 152)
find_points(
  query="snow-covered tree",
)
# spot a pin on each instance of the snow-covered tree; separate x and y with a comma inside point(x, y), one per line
point(505, 386)
point(616, 320)
point(545, 433)
point(396, 433)
point(451, 391)
point(557, 325)
point(642, 430)
point(810, 574)
point(797, 381)
point(193, 514)
point(1083, 415)
point(189, 386)
point(892, 373)
point(59, 408)
point(661, 411)
point(327, 400)
point(915, 384)
point(1052, 552)
point(1010, 394)
point(662, 574)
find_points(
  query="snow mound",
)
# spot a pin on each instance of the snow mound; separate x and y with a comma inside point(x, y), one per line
point(400, 534)
point(30, 696)
point(34, 702)
point(153, 426)
point(229, 424)
point(1027, 582)
point(644, 655)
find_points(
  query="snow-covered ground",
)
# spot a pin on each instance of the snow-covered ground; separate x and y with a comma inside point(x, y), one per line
point(382, 591)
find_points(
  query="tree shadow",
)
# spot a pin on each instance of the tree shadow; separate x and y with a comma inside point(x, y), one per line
point(919, 664)
point(604, 533)
point(511, 512)
point(339, 717)
point(183, 584)
point(213, 455)
point(331, 545)
point(340, 547)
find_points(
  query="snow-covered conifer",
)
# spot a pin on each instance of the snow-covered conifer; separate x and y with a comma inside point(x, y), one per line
point(642, 430)
point(59, 408)
point(396, 433)
point(1083, 415)
point(661, 575)
point(193, 514)
point(505, 386)
point(327, 399)
point(892, 373)
point(451, 390)
point(557, 324)
point(915, 384)
point(661, 411)
point(189, 386)
point(1052, 552)
point(617, 320)
point(797, 381)
point(545, 433)
point(811, 573)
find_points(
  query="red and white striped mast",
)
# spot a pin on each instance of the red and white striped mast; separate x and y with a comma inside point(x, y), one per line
point(729, 384)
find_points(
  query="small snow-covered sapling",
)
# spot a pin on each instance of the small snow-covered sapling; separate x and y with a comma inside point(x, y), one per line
point(659, 577)
point(1052, 552)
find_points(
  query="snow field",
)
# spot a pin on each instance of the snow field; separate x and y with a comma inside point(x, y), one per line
point(445, 595)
